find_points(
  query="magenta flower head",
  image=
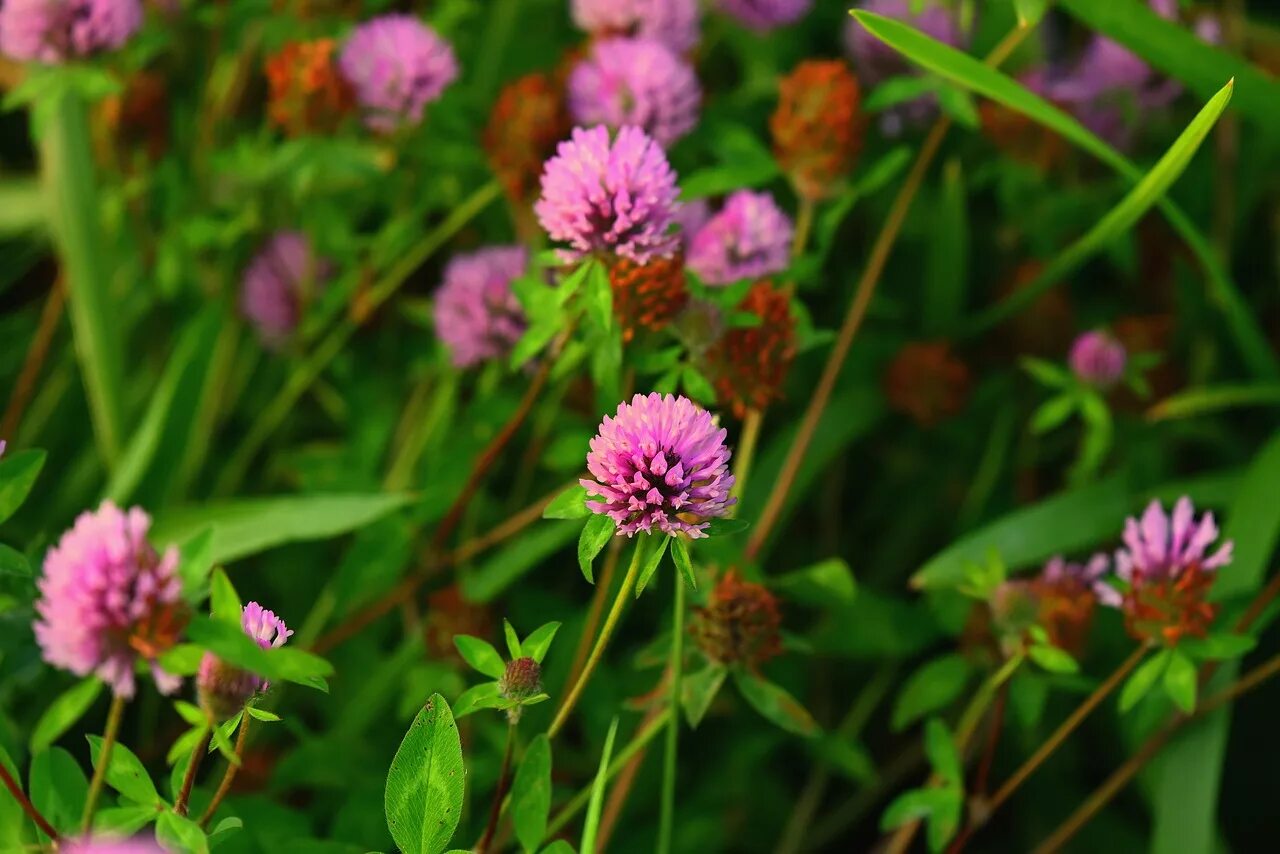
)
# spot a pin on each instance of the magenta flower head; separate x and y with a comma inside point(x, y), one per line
point(106, 845)
point(660, 463)
point(638, 82)
point(224, 688)
point(107, 598)
point(477, 315)
point(54, 31)
point(279, 283)
point(750, 237)
point(765, 15)
point(1097, 359)
point(396, 65)
point(672, 22)
point(616, 197)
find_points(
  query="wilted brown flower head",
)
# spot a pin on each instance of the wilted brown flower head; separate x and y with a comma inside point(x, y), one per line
point(306, 92)
point(749, 364)
point(740, 624)
point(139, 116)
point(817, 129)
point(528, 119)
point(927, 382)
point(1022, 139)
point(1044, 328)
point(647, 296)
point(522, 679)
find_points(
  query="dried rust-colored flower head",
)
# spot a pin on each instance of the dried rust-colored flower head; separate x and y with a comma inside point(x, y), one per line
point(521, 680)
point(927, 382)
point(816, 128)
point(139, 116)
point(529, 118)
point(1044, 327)
point(647, 296)
point(1021, 138)
point(1066, 594)
point(307, 94)
point(749, 364)
point(740, 623)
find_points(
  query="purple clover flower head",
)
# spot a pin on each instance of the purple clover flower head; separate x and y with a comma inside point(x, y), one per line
point(396, 65)
point(1161, 546)
point(639, 82)
point(690, 218)
point(279, 283)
point(1059, 572)
point(660, 464)
point(108, 598)
point(224, 688)
point(765, 15)
point(749, 238)
point(614, 197)
point(1097, 359)
point(54, 31)
point(477, 315)
point(107, 845)
point(3, 445)
point(672, 22)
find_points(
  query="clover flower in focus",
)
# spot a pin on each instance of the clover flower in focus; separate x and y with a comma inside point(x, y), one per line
point(1165, 573)
point(396, 65)
point(659, 464)
point(749, 364)
point(279, 283)
point(611, 196)
point(927, 382)
point(529, 118)
point(640, 82)
point(108, 598)
point(224, 688)
point(477, 315)
point(513, 684)
point(740, 624)
point(816, 127)
point(1098, 359)
point(647, 296)
point(765, 15)
point(52, 32)
point(672, 22)
point(749, 238)
point(306, 93)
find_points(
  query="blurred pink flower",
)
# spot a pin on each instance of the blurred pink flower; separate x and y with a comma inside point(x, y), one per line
point(397, 65)
point(641, 82)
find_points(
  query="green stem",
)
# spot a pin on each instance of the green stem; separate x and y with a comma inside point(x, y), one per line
point(610, 623)
point(804, 226)
point(746, 451)
point(667, 820)
point(104, 761)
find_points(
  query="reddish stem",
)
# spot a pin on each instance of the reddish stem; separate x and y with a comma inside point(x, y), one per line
point(25, 802)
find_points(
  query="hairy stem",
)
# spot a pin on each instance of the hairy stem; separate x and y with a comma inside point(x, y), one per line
point(230, 775)
point(114, 715)
point(193, 767)
point(25, 802)
point(666, 822)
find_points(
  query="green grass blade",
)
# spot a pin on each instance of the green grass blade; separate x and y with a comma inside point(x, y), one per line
point(1212, 399)
point(592, 825)
point(72, 200)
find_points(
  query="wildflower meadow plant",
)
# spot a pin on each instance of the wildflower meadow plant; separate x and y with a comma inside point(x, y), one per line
point(640, 425)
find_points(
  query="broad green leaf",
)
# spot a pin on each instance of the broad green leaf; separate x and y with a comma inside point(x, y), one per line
point(594, 535)
point(423, 799)
point(599, 296)
point(63, 712)
point(531, 793)
point(652, 560)
point(262, 714)
point(124, 821)
point(224, 602)
point(570, 504)
point(1053, 659)
point(195, 565)
point(539, 641)
point(225, 828)
point(182, 659)
point(826, 583)
point(697, 690)
point(14, 562)
point(1030, 11)
point(1180, 681)
point(18, 473)
point(1143, 679)
point(247, 526)
point(480, 655)
point(230, 643)
point(126, 773)
point(722, 527)
point(940, 748)
point(58, 788)
point(775, 704)
point(591, 826)
point(179, 835)
point(557, 847)
point(914, 805)
point(513, 640)
point(1218, 647)
point(1053, 413)
point(680, 557)
point(931, 688)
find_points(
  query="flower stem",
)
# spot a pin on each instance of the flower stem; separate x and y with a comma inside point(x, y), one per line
point(193, 767)
point(747, 443)
point(25, 802)
point(610, 623)
point(104, 761)
point(804, 226)
point(504, 776)
point(666, 822)
point(604, 583)
point(230, 774)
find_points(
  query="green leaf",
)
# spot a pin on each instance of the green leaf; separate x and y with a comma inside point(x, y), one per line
point(570, 504)
point(247, 526)
point(826, 583)
point(14, 562)
point(697, 386)
point(195, 565)
point(1030, 11)
point(511, 562)
point(914, 805)
point(262, 714)
point(1053, 659)
point(539, 641)
point(531, 794)
point(225, 828)
point(1219, 647)
point(721, 527)
point(591, 826)
point(574, 282)
point(599, 297)
point(486, 695)
point(123, 821)
point(182, 659)
point(697, 690)
point(958, 104)
point(285, 664)
point(480, 655)
point(18, 473)
point(1143, 679)
point(63, 713)
point(180, 835)
point(680, 557)
point(1194, 402)
point(775, 704)
point(934, 686)
point(513, 640)
point(652, 559)
point(594, 535)
point(1180, 681)
point(940, 748)
point(224, 602)
point(58, 789)
point(423, 799)
point(126, 773)
point(946, 283)
point(557, 847)
point(1053, 413)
